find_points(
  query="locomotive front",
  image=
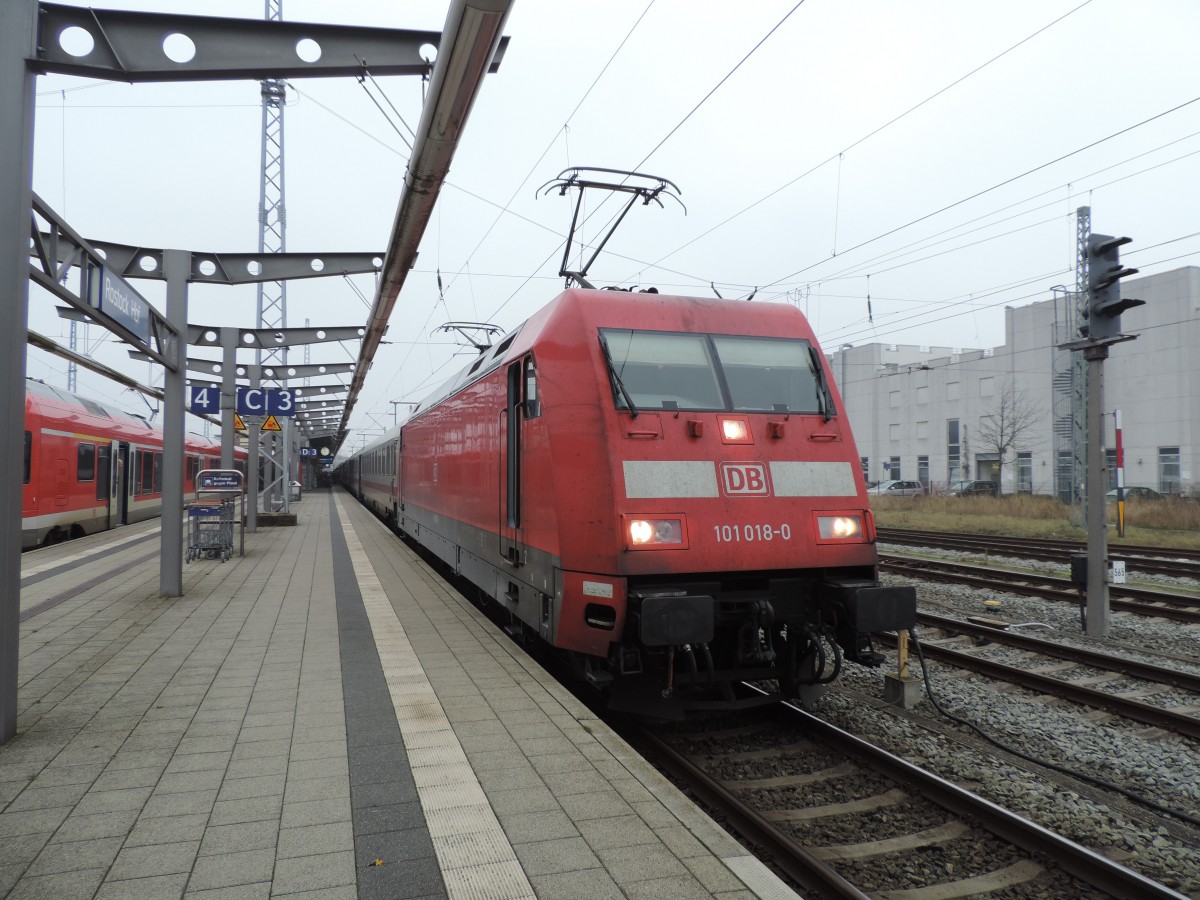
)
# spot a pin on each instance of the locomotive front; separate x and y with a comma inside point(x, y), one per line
point(746, 547)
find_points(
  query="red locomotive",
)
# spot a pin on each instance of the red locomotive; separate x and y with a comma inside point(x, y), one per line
point(89, 467)
point(663, 487)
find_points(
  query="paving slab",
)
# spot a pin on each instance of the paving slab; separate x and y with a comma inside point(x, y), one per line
point(324, 717)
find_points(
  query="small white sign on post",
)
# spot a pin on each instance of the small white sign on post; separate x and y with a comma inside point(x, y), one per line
point(1118, 572)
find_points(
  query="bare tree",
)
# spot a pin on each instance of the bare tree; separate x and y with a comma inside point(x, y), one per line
point(1012, 418)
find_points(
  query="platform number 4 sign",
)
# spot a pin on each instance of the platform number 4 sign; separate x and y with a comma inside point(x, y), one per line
point(204, 399)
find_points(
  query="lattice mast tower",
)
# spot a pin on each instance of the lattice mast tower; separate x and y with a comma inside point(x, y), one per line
point(272, 221)
point(272, 206)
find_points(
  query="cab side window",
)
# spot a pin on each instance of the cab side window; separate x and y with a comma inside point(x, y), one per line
point(532, 403)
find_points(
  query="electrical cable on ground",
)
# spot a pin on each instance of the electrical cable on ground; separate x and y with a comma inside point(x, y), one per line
point(1082, 776)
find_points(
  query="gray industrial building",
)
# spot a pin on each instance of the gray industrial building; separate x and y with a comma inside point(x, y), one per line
point(937, 414)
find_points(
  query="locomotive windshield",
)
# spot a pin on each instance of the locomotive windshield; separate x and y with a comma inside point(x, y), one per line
point(666, 370)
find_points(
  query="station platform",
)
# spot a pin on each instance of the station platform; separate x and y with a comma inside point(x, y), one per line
point(321, 718)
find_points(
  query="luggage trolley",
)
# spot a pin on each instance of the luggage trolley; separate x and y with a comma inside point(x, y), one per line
point(211, 515)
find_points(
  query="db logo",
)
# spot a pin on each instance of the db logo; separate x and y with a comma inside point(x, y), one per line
point(744, 479)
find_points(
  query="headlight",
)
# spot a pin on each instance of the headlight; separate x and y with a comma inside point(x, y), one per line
point(735, 431)
point(840, 528)
point(654, 532)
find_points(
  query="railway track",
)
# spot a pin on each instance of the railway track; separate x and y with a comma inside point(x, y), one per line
point(1143, 602)
point(1053, 679)
point(1148, 560)
point(845, 818)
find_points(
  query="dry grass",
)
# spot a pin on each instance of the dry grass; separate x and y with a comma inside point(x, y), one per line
point(1167, 523)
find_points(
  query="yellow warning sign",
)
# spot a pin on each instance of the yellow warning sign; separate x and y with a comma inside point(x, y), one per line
point(238, 424)
point(271, 424)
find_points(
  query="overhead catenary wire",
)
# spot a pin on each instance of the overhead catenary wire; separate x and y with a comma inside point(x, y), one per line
point(506, 207)
point(362, 83)
point(686, 117)
point(564, 130)
point(858, 269)
point(910, 321)
point(994, 187)
point(895, 119)
point(451, 273)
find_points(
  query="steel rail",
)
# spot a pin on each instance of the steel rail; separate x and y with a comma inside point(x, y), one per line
point(1107, 661)
point(792, 858)
point(1180, 608)
point(1091, 867)
point(1161, 560)
point(1178, 723)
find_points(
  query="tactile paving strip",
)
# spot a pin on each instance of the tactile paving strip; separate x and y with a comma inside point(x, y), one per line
point(455, 805)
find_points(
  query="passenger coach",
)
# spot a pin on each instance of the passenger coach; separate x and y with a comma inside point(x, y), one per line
point(89, 467)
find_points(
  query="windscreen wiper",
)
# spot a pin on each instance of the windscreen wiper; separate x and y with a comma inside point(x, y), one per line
point(824, 401)
point(612, 372)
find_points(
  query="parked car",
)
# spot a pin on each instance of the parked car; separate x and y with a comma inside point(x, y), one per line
point(898, 488)
point(1136, 493)
point(973, 489)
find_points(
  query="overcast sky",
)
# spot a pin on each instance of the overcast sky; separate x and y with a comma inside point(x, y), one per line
point(927, 154)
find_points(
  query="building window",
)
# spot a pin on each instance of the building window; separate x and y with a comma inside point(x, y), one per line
point(894, 399)
point(922, 395)
point(987, 387)
point(952, 390)
point(894, 433)
point(923, 471)
point(894, 468)
point(1168, 470)
point(1024, 473)
point(922, 431)
point(953, 451)
point(865, 462)
point(1064, 476)
point(1110, 468)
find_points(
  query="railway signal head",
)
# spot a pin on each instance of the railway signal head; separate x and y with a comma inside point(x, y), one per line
point(1105, 303)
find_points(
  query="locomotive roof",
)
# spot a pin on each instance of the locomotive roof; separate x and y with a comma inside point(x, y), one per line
point(612, 308)
point(635, 309)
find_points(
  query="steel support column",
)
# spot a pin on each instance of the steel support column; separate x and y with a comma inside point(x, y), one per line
point(176, 264)
point(18, 42)
point(254, 454)
point(229, 337)
point(1097, 525)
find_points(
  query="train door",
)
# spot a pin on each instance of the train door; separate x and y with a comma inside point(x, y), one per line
point(521, 404)
point(121, 485)
point(398, 494)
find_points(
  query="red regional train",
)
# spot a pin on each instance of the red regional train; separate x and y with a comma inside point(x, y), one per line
point(89, 467)
point(663, 487)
